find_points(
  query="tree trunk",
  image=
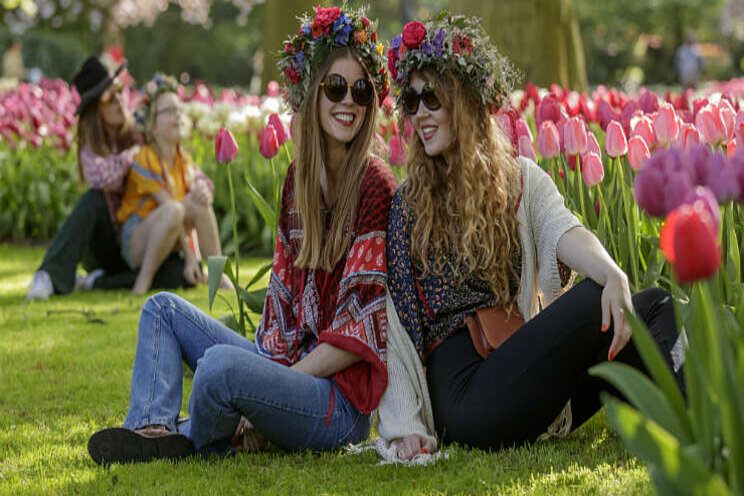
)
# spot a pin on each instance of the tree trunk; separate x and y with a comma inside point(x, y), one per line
point(541, 37)
point(281, 23)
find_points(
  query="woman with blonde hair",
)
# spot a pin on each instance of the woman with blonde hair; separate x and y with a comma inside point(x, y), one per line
point(317, 367)
point(166, 194)
point(474, 233)
point(106, 145)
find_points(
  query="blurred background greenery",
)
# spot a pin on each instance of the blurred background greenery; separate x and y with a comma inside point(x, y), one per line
point(622, 43)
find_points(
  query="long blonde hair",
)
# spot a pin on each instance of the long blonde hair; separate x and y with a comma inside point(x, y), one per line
point(464, 211)
point(91, 133)
point(317, 251)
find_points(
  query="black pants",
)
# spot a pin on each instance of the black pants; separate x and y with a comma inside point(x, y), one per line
point(511, 397)
point(88, 237)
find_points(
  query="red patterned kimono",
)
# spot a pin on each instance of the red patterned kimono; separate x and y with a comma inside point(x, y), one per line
point(345, 307)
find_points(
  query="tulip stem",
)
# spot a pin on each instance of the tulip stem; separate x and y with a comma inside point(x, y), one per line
point(579, 189)
point(237, 249)
point(631, 226)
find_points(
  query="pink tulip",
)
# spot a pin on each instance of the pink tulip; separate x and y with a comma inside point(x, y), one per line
point(408, 130)
point(637, 152)
point(710, 125)
point(739, 126)
point(548, 140)
point(268, 142)
point(282, 133)
point(592, 170)
point(728, 117)
point(504, 123)
point(616, 144)
point(272, 89)
point(575, 138)
point(398, 150)
point(225, 146)
point(527, 149)
point(592, 145)
point(665, 124)
point(688, 136)
point(549, 109)
point(523, 130)
point(644, 128)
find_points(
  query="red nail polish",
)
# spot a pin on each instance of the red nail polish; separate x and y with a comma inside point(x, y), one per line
point(612, 355)
point(604, 327)
point(424, 451)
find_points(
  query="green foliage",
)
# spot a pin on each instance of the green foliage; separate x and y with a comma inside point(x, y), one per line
point(697, 449)
point(618, 35)
point(220, 55)
point(37, 191)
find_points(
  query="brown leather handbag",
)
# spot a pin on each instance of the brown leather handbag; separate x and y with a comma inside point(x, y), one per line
point(490, 327)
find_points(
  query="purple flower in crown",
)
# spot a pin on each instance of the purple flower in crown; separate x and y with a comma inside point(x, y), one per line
point(305, 29)
point(299, 59)
point(438, 39)
point(427, 48)
point(396, 42)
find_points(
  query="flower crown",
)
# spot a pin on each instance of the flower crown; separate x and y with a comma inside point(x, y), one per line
point(331, 27)
point(159, 84)
point(451, 43)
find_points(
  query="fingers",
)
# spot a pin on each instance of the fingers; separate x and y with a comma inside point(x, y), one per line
point(605, 311)
point(410, 446)
point(621, 333)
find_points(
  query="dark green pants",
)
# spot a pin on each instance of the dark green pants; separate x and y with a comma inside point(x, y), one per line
point(88, 237)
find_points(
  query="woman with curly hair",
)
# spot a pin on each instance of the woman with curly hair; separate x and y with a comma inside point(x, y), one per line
point(474, 232)
point(316, 370)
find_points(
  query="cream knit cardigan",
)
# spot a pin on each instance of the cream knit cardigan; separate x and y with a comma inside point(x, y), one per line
point(543, 218)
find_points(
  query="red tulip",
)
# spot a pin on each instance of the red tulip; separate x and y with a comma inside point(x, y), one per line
point(282, 133)
point(731, 148)
point(637, 152)
point(665, 124)
point(575, 137)
point(549, 109)
point(710, 125)
point(644, 128)
point(690, 242)
point(269, 143)
point(592, 170)
point(225, 146)
point(739, 126)
point(548, 140)
point(616, 144)
point(523, 130)
point(398, 150)
point(527, 149)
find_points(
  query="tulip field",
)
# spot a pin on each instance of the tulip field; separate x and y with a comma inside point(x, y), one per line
point(659, 178)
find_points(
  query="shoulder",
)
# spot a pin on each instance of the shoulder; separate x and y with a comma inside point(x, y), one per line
point(147, 156)
point(379, 180)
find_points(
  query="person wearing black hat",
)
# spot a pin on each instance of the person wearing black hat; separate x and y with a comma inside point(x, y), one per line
point(106, 145)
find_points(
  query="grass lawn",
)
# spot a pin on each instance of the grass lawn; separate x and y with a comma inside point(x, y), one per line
point(62, 377)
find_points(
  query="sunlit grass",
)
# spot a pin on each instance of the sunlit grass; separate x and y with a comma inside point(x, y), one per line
point(63, 377)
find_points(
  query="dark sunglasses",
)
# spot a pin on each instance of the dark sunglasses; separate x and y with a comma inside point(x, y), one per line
point(411, 99)
point(335, 87)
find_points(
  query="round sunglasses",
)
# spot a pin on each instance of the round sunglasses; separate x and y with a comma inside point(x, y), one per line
point(412, 98)
point(335, 87)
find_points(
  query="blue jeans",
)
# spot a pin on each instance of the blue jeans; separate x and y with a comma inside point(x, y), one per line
point(291, 409)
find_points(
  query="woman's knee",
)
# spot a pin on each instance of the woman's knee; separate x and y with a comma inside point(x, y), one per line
point(173, 212)
point(645, 301)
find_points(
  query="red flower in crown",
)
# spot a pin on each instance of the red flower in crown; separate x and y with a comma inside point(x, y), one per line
point(292, 74)
point(325, 17)
point(413, 34)
point(365, 22)
point(316, 30)
point(392, 58)
point(462, 45)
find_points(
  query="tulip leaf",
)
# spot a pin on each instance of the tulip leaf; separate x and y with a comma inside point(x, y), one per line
point(645, 396)
point(259, 274)
point(216, 265)
point(659, 370)
point(681, 472)
point(254, 300)
point(263, 207)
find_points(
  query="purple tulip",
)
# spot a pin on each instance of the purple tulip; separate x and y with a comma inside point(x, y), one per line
point(649, 184)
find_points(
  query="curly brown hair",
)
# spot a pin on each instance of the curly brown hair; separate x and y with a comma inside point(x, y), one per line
point(464, 211)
